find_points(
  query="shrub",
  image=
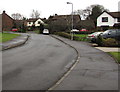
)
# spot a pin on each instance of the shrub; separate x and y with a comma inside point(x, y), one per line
point(67, 35)
point(110, 42)
point(63, 34)
point(21, 30)
point(99, 41)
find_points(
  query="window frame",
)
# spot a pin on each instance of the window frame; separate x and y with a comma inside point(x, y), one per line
point(104, 19)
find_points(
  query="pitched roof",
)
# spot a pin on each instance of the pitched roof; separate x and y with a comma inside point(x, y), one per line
point(115, 14)
point(32, 19)
point(4, 13)
point(76, 18)
point(65, 16)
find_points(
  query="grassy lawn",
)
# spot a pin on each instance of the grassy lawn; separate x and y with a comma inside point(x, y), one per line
point(116, 55)
point(81, 35)
point(4, 37)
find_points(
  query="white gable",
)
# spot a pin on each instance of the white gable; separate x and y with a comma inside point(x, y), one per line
point(38, 22)
point(110, 21)
point(29, 24)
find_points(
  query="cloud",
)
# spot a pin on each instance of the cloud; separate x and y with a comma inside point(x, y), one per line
point(119, 6)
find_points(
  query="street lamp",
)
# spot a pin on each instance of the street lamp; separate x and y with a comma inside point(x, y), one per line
point(72, 19)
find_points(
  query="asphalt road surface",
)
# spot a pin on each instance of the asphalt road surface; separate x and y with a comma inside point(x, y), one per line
point(37, 65)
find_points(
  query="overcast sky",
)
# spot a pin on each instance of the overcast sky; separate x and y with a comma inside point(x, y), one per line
point(50, 7)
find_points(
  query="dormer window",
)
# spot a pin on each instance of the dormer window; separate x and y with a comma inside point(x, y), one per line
point(104, 19)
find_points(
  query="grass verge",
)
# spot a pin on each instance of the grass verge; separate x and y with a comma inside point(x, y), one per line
point(4, 37)
point(77, 37)
point(81, 37)
point(116, 55)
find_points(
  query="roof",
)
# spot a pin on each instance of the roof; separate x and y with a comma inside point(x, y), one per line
point(76, 18)
point(4, 13)
point(32, 19)
point(113, 14)
point(64, 16)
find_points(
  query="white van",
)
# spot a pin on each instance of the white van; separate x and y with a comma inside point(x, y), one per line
point(45, 31)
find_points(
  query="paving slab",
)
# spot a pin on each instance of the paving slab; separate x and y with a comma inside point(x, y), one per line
point(109, 49)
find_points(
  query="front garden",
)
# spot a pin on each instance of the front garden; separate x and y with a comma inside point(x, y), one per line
point(4, 37)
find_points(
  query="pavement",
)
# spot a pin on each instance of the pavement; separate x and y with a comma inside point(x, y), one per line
point(15, 42)
point(109, 49)
point(96, 70)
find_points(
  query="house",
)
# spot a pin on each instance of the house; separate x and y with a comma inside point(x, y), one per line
point(34, 22)
point(0, 22)
point(59, 23)
point(108, 19)
point(19, 24)
point(7, 22)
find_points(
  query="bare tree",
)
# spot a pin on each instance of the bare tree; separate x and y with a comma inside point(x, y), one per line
point(17, 16)
point(84, 13)
point(35, 14)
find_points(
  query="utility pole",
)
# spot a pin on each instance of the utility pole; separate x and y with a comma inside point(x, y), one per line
point(72, 20)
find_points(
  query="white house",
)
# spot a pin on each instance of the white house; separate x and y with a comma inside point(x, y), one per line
point(34, 21)
point(108, 19)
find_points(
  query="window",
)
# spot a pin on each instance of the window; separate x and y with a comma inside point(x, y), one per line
point(38, 22)
point(118, 19)
point(104, 19)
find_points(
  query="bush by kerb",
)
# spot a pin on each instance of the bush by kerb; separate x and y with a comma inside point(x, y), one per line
point(109, 42)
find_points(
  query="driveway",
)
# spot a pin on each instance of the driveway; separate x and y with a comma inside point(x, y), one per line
point(37, 65)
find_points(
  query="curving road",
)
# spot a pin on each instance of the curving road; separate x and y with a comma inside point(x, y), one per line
point(37, 65)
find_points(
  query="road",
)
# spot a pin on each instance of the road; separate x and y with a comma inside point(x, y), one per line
point(37, 65)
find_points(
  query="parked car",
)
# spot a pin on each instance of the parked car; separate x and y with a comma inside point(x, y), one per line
point(45, 31)
point(74, 30)
point(93, 37)
point(14, 29)
point(84, 30)
point(111, 33)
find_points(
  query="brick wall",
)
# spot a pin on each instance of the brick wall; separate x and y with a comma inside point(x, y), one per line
point(7, 22)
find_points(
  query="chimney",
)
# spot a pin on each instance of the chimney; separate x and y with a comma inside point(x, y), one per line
point(4, 11)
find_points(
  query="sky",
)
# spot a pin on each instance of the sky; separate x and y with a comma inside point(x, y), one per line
point(51, 7)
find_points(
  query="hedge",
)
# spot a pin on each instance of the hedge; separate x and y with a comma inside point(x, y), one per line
point(67, 35)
